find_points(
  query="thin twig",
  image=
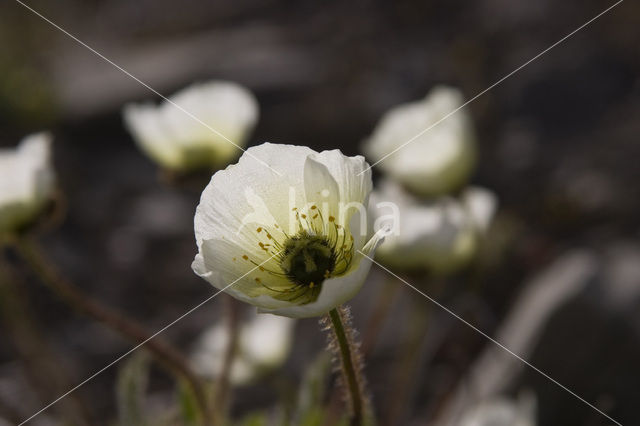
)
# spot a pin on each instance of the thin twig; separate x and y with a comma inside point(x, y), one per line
point(41, 364)
point(166, 354)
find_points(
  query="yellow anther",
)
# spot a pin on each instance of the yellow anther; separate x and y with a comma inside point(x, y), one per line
point(331, 218)
point(259, 230)
point(245, 257)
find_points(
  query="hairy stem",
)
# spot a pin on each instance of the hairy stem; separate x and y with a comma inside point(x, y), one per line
point(162, 351)
point(350, 363)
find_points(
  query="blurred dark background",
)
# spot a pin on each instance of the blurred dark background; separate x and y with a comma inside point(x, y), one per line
point(558, 144)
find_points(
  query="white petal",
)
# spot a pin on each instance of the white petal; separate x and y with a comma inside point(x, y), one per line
point(152, 135)
point(264, 343)
point(250, 194)
point(224, 114)
point(352, 174)
point(223, 265)
point(351, 181)
point(208, 357)
point(481, 204)
point(500, 411)
point(35, 151)
point(321, 191)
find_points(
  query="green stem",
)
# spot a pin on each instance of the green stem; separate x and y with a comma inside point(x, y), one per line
point(348, 357)
point(166, 354)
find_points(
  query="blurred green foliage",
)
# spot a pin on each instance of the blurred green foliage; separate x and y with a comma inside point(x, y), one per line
point(27, 100)
point(131, 389)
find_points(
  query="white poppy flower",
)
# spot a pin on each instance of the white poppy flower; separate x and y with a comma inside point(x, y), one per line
point(290, 234)
point(440, 159)
point(500, 411)
point(440, 234)
point(178, 141)
point(26, 181)
point(264, 343)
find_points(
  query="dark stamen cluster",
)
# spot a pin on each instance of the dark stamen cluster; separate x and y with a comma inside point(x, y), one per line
point(308, 259)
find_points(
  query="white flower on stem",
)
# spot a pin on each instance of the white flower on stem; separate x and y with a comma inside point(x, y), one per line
point(27, 181)
point(441, 158)
point(501, 411)
point(225, 114)
point(264, 342)
point(287, 238)
point(441, 234)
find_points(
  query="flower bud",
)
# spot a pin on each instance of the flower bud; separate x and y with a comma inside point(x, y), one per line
point(27, 181)
point(440, 235)
point(425, 145)
point(264, 342)
point(204, 126)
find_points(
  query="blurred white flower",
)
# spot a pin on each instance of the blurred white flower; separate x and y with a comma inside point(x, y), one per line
point(440, 234)
point(178, 141)
point(264, 343)
point(501, 411)
point(289, 241)
point(439, 160)
point(27, 181)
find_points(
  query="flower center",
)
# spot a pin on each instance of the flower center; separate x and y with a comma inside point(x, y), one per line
point(308, 259)
point(320, 249)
